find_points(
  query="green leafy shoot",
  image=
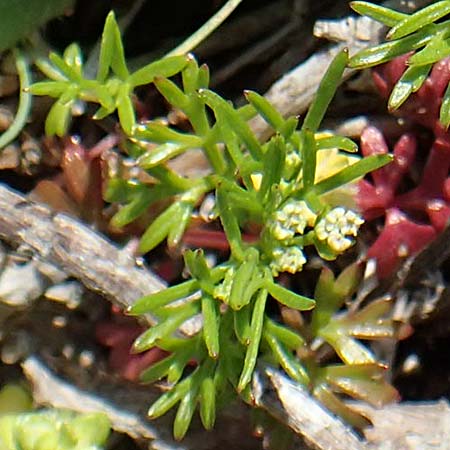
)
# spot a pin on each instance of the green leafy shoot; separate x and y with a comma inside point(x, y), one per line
point(24, 108)
point(269, 212)
point(272, 185)
point(53, 428)
point(112, 88)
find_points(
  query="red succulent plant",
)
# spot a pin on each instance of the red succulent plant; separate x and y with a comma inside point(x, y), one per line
point(415, 217)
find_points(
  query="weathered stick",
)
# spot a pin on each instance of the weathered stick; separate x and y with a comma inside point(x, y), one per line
point(404, 426)
point(126, 405)
point(50, 390)
point(78, 250)
point(409, 426)
point(292, 405)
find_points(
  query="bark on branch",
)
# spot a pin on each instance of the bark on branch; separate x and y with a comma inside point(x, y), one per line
point(75, 248)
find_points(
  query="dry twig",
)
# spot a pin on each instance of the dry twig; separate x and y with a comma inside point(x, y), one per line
point(78, 250)
point(413, 426)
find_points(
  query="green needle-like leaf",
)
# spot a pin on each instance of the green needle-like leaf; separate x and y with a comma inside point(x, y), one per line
point(190, 76)
point(239, 295)
point(73, 58)
point(232, 143)
point(287, 360)
point(106, 48)
point(289, 298)
point(348, 348)
point(410, 82)
point(438, 48)
point(389, 50)
point(229, 223)
point(363, 381)
point(208, 402)
point(242, 324)
point(340, 142)
point(50, 88)
point(157, 370)
point(325, 92)
point(178, 316)
point(203, 77)
point(178, 228)
point(184, 354)
point(160, 227)
point(159, 133)
point(265, 110)
point(223, 109)
point(185, 412)
point(196, 263)
point(59, 116)
point(419, 19)
point(289, 126)
point(70, 72)
point(309, 154)
point(117, 60)
point(133, 210)
point(379, 13)
point(255, 339)
point(287, 337)
point(170, 399)
point(350, 173)
point(211, 320)
point(172, 93)
point(161, 154)
point(49, 70)
point(154, 301)
point(274, 162)
point(165, 67)
point(125, 109)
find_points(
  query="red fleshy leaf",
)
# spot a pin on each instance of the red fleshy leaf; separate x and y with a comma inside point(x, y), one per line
point(119, 337)
point(400, 238)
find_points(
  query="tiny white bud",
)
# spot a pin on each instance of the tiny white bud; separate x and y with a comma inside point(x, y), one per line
point(287, 259)
point(335, 226)
point(292, 218)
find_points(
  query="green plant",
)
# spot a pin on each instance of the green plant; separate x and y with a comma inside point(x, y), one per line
point(21, 427)
point(280, 192)
point(21, 17)
point(112, 88)
point(14, 399)
point(53, 429)
point(18, 20)
point(423, 33)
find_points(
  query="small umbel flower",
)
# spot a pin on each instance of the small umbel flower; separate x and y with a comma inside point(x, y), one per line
point(292, 218)
point(287, 259)
point(336, 226)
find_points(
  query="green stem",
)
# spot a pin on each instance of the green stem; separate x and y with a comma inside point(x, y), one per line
point(206, 29)
point(23, 111)
point(165, 175)
point(202, 128)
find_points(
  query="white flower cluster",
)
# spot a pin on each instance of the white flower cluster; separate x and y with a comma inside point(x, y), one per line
point(287, 259)
point(288, 221)
point(291, 219)
point(336, 226)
